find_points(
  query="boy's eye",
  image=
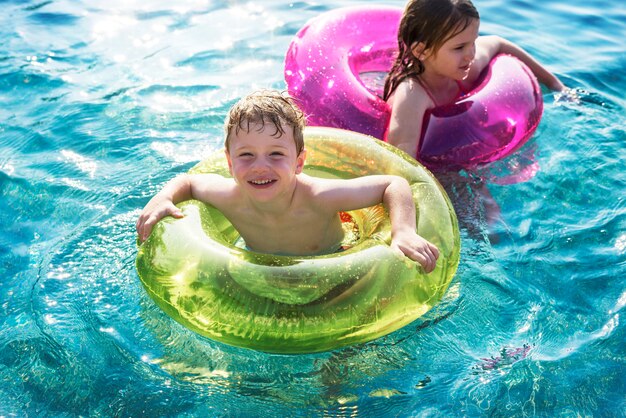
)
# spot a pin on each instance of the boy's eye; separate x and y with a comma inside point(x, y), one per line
point(245, 154)
point(277, 153)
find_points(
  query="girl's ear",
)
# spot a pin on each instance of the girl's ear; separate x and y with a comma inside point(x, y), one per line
point(418, 49)
point(300, 161)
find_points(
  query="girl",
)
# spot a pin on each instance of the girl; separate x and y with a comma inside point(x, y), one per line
point(440, 58)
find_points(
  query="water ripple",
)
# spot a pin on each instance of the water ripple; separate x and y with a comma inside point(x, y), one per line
point(103, 103)
point(53, 18)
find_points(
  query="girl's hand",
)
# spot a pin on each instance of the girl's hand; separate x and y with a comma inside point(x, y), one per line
point(568, 95)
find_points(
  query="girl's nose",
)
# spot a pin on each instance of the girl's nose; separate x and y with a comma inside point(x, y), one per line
point(470, 52)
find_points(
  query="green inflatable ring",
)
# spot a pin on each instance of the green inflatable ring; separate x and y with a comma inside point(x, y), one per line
point(194, 272)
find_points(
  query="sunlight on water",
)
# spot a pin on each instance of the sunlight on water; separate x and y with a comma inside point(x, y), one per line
point(84, 164)
point(103, 103)
point(620, 243)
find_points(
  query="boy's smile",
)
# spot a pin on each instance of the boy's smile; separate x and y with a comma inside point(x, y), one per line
point(261, 183)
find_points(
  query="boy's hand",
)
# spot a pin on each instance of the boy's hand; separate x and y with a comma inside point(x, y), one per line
point(417, 249)
point(153, 213)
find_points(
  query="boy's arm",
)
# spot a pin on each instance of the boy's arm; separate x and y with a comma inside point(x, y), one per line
point(490, 46)
point(163, 204)
point(399, 203)
point(395, 193)
point(179, 189)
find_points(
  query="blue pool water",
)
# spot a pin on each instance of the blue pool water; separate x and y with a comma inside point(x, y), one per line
point(102, 102)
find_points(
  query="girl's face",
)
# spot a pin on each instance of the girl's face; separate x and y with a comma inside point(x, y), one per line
point(264, 166)
point(454, 58)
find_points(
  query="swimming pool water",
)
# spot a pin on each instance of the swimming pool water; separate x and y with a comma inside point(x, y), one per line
point(104, 102)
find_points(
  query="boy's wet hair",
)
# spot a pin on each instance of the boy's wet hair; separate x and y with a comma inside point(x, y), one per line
point(264, 107)
point(431, 22)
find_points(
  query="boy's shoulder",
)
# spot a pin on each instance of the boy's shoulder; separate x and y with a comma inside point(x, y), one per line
point(316, 183)
point(214, 188)
point(211, 180)
point(308, 184)
point(313, 190)
point(320, 189)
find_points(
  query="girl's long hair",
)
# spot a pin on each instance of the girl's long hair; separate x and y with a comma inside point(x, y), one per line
point(432, 23)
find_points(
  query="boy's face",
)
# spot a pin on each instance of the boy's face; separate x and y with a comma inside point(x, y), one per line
point(263, 165)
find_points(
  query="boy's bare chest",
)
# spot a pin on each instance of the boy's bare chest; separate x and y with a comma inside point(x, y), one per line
point(300, 232)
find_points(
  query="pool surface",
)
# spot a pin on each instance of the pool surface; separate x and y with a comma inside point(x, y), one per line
point(103, 102)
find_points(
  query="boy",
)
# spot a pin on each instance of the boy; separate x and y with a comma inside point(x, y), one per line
point(273, 205)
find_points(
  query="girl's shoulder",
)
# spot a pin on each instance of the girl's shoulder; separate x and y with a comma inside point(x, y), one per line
point(487, 47)
point(412, 93)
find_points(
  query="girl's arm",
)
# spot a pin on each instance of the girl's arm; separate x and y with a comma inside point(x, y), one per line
point(408, 106)
point(488, 47)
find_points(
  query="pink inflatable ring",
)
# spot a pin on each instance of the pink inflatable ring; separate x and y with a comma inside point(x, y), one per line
point(323, 69)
